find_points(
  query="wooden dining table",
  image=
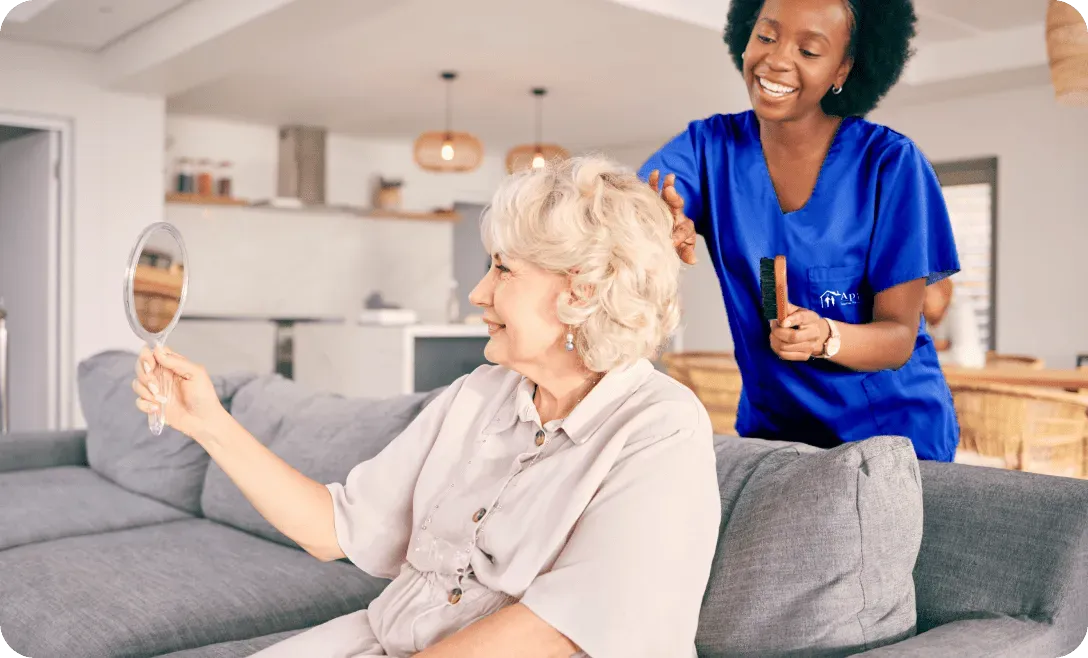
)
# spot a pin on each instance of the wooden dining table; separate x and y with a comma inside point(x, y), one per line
point(1049, 377)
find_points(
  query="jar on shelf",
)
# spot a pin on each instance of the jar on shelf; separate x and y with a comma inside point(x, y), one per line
point(183, 179)
point(205, 179)
point(224, 185)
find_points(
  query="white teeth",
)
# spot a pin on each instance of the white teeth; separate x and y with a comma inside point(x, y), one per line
point(775, 89)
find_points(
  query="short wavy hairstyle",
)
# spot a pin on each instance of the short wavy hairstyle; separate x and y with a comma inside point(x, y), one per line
point(598, 223)
point(881, 34)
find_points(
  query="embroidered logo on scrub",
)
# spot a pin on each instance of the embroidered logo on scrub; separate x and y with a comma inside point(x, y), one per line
point(832, 298)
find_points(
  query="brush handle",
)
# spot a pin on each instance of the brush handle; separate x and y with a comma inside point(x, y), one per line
point(781, 292)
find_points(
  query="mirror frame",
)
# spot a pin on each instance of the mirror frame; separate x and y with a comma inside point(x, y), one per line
point(159, 338)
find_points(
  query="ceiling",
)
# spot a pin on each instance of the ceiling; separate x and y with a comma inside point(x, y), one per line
point(86, 25)
point(618, 72)
point(381, 78)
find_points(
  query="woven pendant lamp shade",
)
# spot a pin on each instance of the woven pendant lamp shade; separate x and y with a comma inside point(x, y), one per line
point(527, 156)
point(448, 151)
point(1067, 50)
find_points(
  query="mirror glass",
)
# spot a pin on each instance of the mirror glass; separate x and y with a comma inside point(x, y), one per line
point(156, 282)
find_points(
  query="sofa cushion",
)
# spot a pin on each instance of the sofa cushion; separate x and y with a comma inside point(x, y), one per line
point(235, 649)
point(51, 503)
point(323, 435)
point(168, 587)
point(817, 552)
point(169, 467)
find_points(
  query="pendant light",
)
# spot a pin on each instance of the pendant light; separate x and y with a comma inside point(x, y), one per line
point(448, 151)
point(1067, 50)
point(534, 155)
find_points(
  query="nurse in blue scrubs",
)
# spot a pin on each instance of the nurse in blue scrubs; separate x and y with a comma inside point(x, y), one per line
point(854, 206)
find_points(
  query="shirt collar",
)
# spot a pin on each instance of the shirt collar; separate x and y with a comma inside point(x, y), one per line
point(615, 387)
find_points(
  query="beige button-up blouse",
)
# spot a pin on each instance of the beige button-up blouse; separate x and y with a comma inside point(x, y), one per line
point(604, 523)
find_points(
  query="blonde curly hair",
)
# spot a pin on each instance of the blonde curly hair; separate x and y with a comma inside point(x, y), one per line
point(592, 220)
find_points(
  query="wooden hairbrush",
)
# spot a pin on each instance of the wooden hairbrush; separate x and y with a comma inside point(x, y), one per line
point(772, 285)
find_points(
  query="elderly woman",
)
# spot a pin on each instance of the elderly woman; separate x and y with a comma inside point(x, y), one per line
point(527, 510)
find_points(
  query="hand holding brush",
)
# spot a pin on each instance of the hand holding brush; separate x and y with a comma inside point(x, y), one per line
point(797, 334)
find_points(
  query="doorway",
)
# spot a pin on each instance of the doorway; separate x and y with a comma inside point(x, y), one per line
point(34, 273)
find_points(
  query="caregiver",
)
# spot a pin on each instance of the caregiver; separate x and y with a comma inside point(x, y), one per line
point(854, 206)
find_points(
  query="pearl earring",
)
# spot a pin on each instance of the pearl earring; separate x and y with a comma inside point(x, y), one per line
point(570, 341)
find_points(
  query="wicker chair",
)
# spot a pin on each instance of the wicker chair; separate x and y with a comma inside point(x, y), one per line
point(715, 379)
point(1020, 428)
point(996, 360)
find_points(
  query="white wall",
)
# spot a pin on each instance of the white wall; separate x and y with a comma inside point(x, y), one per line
point(116, 170)
point(1042, 152)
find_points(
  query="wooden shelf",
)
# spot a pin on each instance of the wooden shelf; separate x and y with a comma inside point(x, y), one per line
point(198, 200)
point(371, 213)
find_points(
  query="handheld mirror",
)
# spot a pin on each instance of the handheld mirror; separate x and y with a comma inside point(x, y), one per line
point(155, 285)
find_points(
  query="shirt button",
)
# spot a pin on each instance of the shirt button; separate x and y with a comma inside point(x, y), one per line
point(540, 438)
point(455, 596)
point(479, 515)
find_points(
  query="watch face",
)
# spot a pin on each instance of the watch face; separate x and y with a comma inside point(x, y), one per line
point(833, 347)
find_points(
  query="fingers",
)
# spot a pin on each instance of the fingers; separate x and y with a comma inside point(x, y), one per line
point(655, 178)
point(687, 254)
point(145, 363)
point(804, 335)
point(148, 391)
point(147, 407)
point(671, 196)
point(176, 363)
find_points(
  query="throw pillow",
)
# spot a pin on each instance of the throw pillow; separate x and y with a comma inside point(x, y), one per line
point(817, 553)
point(170, 467)
point(322, 435)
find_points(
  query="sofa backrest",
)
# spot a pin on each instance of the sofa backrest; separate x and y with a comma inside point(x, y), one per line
point(1008, 543)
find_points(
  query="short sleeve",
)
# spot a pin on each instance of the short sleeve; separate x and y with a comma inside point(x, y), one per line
point(912, 237)
point(631, 578)
point(683, 156)
point(373, 508)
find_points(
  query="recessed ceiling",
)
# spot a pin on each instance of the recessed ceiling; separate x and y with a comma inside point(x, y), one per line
point(88, 25)
point(618, 72)
point(614, 74)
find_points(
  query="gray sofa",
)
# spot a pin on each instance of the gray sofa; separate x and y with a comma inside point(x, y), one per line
point(114, 542)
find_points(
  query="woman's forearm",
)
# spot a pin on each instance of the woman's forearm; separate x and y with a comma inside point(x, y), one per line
point(300, 508)
point(882, 345)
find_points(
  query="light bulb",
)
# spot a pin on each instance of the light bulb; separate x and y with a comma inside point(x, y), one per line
point(538, 161)
point(447, 151)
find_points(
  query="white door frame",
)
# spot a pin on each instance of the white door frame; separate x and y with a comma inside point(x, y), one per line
point(61, 271)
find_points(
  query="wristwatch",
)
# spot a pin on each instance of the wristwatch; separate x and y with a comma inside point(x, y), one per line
point(831, 347)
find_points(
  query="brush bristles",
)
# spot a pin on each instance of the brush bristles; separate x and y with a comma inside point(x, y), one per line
point(767, 288)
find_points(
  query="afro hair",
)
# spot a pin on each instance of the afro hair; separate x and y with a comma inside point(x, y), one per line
point(879, 44)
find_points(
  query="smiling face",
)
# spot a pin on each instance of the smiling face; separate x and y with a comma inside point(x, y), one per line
point(797, 52)
point(519, 302)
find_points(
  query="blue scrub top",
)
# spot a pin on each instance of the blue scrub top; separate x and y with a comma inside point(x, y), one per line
point(876, 219)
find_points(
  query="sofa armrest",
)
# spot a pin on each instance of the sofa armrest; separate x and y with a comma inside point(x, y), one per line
point(1003, 544)
point(22, 452)
point(997, 637)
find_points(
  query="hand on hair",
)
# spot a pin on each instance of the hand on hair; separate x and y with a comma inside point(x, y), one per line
point(683, 230)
